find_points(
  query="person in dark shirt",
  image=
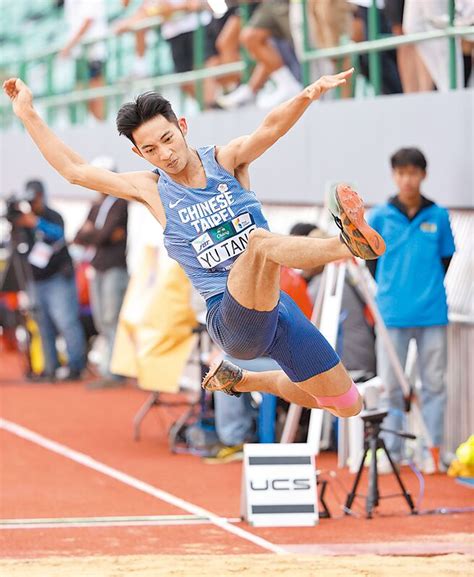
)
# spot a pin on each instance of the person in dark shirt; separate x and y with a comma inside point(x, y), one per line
point(54, 283)
point(105, 234)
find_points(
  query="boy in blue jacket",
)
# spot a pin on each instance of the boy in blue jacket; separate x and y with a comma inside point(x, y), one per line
point(411, 295)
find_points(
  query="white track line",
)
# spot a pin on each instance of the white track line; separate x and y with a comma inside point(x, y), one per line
point(91, 522)
point(13, 527)
point(88, 461)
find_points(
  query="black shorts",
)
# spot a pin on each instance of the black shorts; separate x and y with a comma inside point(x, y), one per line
point(214, 28)
point(182, 51)
point(394, 12)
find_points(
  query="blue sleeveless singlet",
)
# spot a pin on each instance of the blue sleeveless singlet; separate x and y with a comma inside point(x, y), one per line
point(208, 228)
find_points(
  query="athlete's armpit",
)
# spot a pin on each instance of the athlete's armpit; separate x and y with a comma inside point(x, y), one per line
point(143, 183)
point(129, 185)
point(147, 193)
point(226, 157)
point(245, 149)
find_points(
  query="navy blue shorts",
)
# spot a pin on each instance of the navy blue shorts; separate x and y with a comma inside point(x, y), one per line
point(283, 334)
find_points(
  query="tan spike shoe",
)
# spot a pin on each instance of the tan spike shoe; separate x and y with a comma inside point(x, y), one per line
point(223, 376)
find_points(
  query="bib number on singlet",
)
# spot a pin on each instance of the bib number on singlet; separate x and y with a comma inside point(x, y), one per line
point(218, 247)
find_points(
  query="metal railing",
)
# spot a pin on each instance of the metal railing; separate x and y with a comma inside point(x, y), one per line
point(77, 99)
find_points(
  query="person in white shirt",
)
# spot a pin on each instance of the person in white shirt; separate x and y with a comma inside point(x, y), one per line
point(413, 72)
point(269, 23)
point(181, 18)
point(87, 20)
point(422, 17)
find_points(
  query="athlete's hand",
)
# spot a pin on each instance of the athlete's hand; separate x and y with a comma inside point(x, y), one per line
point(19, 94)
point(325, 83)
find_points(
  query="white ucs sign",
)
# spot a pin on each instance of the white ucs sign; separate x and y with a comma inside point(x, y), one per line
point(279, 485)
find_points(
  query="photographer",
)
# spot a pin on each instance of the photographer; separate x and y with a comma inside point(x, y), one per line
point(53, 280)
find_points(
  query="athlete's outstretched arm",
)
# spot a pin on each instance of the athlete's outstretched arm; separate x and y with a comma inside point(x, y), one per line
point(131, 186)
point(278, 122)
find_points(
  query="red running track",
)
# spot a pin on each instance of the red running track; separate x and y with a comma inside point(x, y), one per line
point(37, 483)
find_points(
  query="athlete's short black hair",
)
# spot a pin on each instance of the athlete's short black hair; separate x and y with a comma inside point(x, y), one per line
point(408, 157)
point(145, 107)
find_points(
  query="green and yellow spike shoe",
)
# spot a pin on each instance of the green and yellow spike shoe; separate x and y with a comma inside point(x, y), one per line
point(347, 209)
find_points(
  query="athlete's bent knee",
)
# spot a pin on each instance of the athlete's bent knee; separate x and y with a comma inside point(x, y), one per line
point(256, 237)
point(349, 404)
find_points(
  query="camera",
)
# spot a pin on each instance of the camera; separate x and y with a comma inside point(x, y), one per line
point(16, 205)
point(19, 203)
point(13, 209)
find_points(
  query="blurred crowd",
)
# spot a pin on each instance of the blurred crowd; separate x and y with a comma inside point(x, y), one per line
point(75, 305)
point(271, 34)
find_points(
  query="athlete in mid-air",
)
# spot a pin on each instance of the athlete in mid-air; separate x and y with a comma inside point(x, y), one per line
point(214, 227)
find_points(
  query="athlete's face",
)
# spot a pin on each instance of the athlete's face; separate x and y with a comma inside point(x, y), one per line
point(162, 143)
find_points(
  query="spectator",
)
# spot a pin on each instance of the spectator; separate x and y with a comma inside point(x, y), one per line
point(269, 23)
point(391, 83)
point(413, 72)
point(222, 41)
point(465, 17)
point(140, 68)
point(411, 295)
point(421, 17)
point(329, 23)
point(181, 20)
point(87, 20)
point(105, 234)
point(54, 283)
point(468, 59)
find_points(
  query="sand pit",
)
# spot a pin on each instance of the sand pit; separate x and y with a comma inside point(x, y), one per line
point(232, 565)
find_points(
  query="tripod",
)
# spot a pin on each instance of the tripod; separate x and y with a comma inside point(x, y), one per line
point(200, 411)
point(373, 441)
point(16, 277)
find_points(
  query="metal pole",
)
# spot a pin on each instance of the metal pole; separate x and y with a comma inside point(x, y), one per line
point(244, 12)
point(306, 66)
point(119, 68)
point(375, 69)
point(198, 47)
point(50, 113)
point(387, 43)
point(452, 51)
